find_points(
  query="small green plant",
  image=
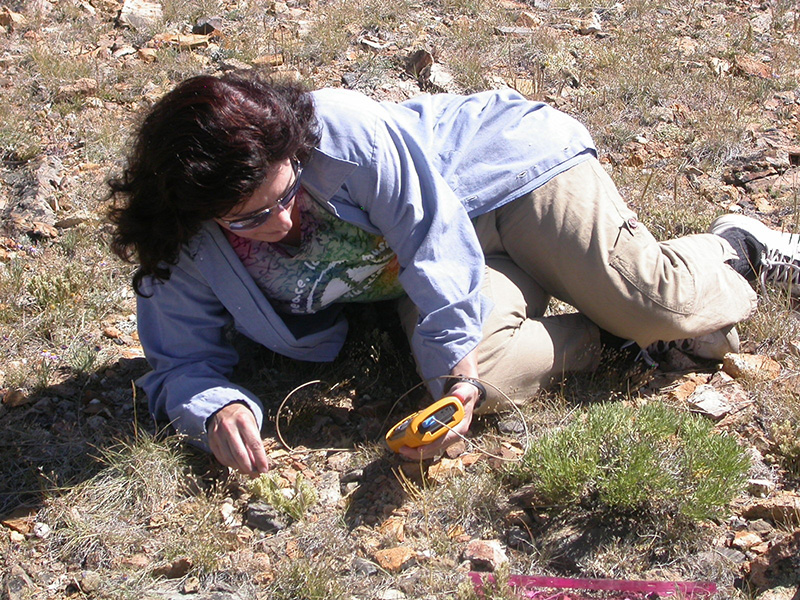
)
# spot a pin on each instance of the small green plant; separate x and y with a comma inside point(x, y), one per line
point(786, 437)
point(652, 460)
point(293, 502)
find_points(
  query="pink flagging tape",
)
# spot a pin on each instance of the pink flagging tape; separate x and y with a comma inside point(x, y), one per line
point(689, 589)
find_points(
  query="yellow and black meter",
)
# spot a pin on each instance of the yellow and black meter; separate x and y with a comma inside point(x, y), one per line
point(426, 425)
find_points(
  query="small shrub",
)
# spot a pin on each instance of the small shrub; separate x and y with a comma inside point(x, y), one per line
point(647, 461)
point(293, 502)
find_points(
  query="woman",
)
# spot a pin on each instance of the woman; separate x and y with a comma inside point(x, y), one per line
point(262, 205)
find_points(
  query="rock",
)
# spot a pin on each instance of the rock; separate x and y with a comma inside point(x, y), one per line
point(418, 64)
point(16, 537)
point(762, 528)
point(390, 594)
point(21, 520)
point(329, 489)
point(394, 528)
point(136, 561)
point(719, 558)
point(10, 19)
point(442, 79)
point(233, 64)
point(784, 508)
point(591, 25)
point(269, 60)
point(264, 517)
point(228, 513)
point(687, 385)
point(511, 425)
point(16, 397)
point(111, 332)
point(90, 582)
point(187, 41)
point(745, 65)
point(148, 55)
point(190, 586)
point(514, 31)
point(779, 566)
point(208, 25)
point(362, 566)
point(750, 366)
point(676, 361)
point(446, 469)
point(456, 450)
point(744, 540)
point(33, 211)
point(485, 555)
point(42, 531)
point(262, 568)
point(396, 559)
point(18, 585)
point(732, 390)
point(708, 401)
point(174, 570)
point(760, 488)
point(140, 14)
point(778, 593)
point(528, 19)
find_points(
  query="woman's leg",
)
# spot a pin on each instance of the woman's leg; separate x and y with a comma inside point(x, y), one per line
point(578, 240)
point(522, 351)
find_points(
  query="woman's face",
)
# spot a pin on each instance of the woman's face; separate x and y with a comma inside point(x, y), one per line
point(279, 181)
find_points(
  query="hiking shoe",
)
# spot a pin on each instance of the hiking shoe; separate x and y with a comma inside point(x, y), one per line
point(772, 255)
point(713, 346)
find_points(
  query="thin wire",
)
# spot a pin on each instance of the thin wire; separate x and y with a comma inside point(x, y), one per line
point(289, 448)
point(505, 396)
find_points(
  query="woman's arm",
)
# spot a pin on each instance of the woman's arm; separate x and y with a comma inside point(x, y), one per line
point(469, 395)
point(182, 330)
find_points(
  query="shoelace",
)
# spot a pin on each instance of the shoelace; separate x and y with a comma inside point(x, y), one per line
point(776, 267)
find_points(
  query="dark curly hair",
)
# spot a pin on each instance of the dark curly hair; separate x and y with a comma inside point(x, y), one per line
point(201, 150)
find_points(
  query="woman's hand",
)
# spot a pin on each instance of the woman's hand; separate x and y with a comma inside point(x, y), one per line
point(469, 395)
point(235, 440)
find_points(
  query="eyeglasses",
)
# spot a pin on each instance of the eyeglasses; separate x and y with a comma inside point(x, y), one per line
point(260, 217)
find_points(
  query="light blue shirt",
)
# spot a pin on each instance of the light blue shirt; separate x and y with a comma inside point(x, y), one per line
point(414, 172)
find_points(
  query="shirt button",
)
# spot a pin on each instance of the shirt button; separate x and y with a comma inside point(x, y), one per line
point(633, 223)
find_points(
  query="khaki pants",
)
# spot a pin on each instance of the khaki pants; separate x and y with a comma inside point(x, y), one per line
point(574, 239)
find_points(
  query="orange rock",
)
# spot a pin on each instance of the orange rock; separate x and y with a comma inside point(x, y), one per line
point(136, 561)
point(263, 568)
point(15, 397)
point(750, 366)
point(744, 540)
point(396, 559)
point(20, 520)
point(174, 570)
point(750, 66)
point(445, 469)
point(394, 527)
point(783, 508)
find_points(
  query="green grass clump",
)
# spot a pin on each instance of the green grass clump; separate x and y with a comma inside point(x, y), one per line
point(652, 460)
point(292, 502)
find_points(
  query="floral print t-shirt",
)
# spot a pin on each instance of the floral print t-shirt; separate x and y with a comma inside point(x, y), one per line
point(335, 262)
